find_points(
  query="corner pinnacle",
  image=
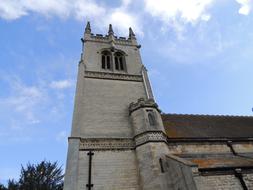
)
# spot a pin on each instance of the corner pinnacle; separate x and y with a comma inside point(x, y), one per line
point(131, 33)
point(110, 31)
point(87, 28)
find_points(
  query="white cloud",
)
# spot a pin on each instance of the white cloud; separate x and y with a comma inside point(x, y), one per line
point(87, 8)
point(61, 84)
point(169, 10)
point(245, 6)
point(13, 9)
point(23, 100)
point(29, 101)
point(120, 16)
point(117, 16)
point(10, 10)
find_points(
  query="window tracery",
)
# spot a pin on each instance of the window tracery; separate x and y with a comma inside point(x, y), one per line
point(114, 61)
point(106, 60)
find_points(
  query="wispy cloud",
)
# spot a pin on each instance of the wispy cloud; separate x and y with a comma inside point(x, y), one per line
point(78, 9)
point(170, 12)
point(61, 84)
point(246, 6)
point(25, 106)
point(23, 99)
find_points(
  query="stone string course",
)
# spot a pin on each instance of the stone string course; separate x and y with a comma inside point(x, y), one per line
point(113, 76)
point(120, 144)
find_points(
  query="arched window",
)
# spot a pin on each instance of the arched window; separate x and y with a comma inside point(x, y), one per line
point(106, 60)
point(151, 118)
point(119, 61)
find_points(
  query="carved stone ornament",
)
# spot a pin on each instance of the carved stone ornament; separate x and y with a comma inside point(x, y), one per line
point(113, 76)
point(121, 144)
point(106, 144)
point(154, 136)
point(141, 103)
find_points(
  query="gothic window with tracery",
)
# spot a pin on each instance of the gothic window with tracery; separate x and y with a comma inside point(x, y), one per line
point(119, 61)
point(106, 60)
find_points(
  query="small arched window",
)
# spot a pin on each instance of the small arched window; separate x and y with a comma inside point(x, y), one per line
point(119, 61)
point(151, 118)
point(106, 60)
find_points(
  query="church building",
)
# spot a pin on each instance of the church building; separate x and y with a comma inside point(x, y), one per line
point(120, 139)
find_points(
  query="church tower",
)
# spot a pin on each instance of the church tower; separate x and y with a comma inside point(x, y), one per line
point(117, 134)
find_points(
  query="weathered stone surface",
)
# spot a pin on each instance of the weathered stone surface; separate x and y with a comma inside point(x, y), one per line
point(148, 156)
point(218, 182)
point(71, 174)
point(111, 170)
point(104, 111)
point(248, 178)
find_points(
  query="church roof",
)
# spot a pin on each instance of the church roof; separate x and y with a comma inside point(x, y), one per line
point(183, 126)
point(223, 162)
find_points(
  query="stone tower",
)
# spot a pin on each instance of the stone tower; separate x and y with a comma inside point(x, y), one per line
point(117, 134)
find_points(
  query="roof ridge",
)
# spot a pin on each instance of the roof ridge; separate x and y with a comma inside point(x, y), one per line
point(209, 115)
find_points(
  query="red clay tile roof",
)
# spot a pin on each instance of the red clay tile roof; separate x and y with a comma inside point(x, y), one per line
point(207, 126)
point(232, 161)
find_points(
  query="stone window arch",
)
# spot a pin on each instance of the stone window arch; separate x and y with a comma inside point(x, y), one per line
point(151, 118)
point(119, 61)
point(106, 60)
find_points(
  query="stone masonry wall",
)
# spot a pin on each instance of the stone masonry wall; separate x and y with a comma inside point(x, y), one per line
point(209, 148)
point(218, 182)
point(111, 170)
point(148, 156)
point(248, 178)
point(104, 108)
point(198, 148)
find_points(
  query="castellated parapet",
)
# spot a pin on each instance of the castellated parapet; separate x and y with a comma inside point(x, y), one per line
point(110, 37)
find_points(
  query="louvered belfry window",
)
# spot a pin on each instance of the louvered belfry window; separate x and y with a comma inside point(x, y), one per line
point(119, 61)
point(106, 60)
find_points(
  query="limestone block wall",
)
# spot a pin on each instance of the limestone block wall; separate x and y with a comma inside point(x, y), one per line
point(111, 170)
point(104, 108)
point(218, 182)
point(209, 147)
point(180, 173)
point(71, 174)
point(148, 156)
point(243, 147)
point(198, 148)
point(248, 178)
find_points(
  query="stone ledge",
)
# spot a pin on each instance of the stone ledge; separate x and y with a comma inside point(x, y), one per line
point(150, 136)
point(113, 76)
point(106, 144)
point(121, 143)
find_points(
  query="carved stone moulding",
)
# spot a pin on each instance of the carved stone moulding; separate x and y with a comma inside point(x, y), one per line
point(106, 144)
point(141, 103)
point(150, 136)
point(113, 76)
point(121, 144)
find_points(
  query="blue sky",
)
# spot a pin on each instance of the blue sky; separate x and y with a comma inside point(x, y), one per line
point(198, 54)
